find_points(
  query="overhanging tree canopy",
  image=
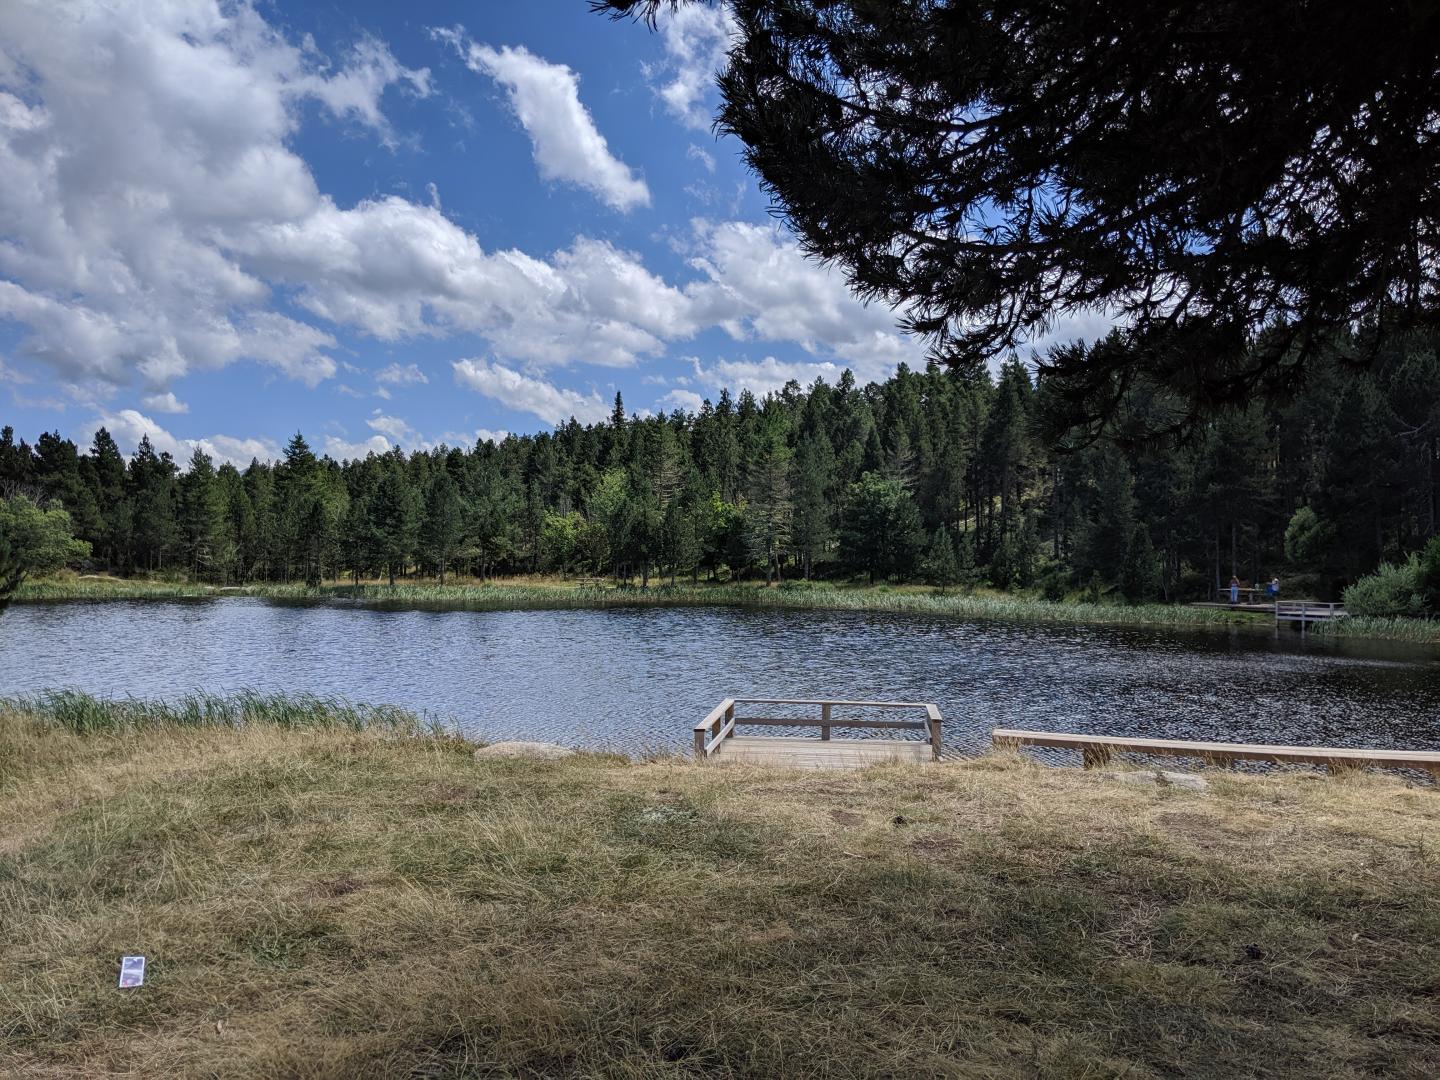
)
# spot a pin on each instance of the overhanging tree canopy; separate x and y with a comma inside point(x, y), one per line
point(1202, 172)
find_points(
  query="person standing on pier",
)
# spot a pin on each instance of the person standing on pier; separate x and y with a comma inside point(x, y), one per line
point(1234, 590)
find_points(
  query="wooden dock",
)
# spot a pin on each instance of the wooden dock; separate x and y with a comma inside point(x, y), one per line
point(715, 736)
point(1306, 612)
point(1099, 749)
point(1300, 612)
point(1252, 609)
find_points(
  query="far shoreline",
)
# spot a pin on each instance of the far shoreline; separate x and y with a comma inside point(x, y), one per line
point(557, 594)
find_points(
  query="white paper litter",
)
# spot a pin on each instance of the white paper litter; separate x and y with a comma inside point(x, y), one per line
point(132, 971)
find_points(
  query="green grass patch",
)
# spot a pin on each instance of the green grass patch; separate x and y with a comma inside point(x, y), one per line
point(1393, 628)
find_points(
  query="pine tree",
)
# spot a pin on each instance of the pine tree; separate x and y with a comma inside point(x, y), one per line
point(941, 566)
point(296, 480)
point(1105, 538)
point(201, 515)
point(239, 529)
point(107, 469)
point(152, 481)
point(769, 515)
point(12, 571)
point(396, 516)
point(967, 570)
point(880, 529)
point(444, 520)
point(814, 477)
point(1140, 578)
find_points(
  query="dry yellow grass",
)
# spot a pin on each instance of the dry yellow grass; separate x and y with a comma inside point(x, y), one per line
point(337, 904)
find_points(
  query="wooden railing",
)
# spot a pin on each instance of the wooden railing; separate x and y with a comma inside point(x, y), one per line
point(1098, 749)
point(722, 721)
point(1303, 611)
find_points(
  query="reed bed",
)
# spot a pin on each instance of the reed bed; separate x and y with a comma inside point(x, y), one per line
point(799, 596)
point(81, 713)
point(107, 588)
point(491, 597)
point(1393, 628)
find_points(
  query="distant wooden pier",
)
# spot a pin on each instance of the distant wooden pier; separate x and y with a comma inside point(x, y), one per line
point(715, 736)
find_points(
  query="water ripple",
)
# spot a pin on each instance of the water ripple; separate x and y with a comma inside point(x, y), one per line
point(638, 679)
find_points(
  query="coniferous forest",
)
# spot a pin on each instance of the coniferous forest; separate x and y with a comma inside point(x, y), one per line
point(931, 476)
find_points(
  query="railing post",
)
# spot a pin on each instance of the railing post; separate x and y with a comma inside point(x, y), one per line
point(935, 742)
point(728, 721)
point(825, 722)
point(700, 744)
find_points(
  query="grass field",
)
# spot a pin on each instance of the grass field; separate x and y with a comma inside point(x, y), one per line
point(324, 893)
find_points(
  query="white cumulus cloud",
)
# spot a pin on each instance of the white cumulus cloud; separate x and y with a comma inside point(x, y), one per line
point(545, 96)
point(765, 376)
point(395, 375)
point(525, 393)
point(760, 285)
point(697, 38)
point(128, 426)
point(166, 403)
point(137, 140)
point(153, 214)
point(680, 399)
point(341, 450)
point(393, 427)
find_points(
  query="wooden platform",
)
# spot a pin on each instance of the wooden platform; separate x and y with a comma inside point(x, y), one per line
point(1305, 612)
point(1252, 609)
point(715, 736)
point(1098, 749)
point(795, 753)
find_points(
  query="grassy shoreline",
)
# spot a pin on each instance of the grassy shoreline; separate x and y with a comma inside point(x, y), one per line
point(339, 898)
point(553, 594)
point(550, 594)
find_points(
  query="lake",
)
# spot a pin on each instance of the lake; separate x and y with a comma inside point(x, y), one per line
point(637, 680)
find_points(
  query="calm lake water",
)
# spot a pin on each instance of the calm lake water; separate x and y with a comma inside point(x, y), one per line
point(637, 680)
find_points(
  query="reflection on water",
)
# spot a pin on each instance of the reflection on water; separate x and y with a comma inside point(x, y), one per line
point(639, 679)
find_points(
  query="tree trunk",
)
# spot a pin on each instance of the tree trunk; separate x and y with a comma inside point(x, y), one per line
point(1434, 487)
point(1217, 561)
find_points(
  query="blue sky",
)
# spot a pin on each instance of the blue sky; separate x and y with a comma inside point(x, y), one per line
point(385, 224)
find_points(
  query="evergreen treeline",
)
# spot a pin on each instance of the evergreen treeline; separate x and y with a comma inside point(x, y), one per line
point(929, 476)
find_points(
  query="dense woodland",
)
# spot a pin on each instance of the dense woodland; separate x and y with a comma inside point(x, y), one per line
point(930, 476)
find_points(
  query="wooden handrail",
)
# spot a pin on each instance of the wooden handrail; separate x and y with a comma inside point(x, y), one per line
point(1097, 749)
point(832, 701)
point(711, 731)
point(703, 745)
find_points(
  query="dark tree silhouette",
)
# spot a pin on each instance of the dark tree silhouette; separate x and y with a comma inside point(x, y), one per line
point(1201, 172)
point(11, 572)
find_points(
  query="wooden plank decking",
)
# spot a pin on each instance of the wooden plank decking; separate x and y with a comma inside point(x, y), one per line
point(814, 754)
point(715, 736)
point(1098, 749)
